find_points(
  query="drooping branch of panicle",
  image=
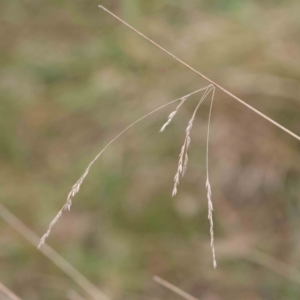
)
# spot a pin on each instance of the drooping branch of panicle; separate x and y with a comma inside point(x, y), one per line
point(76, 187)
point(201, 75)
point(183, 164)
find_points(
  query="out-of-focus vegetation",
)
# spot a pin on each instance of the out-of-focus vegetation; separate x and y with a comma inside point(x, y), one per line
point(72, 77)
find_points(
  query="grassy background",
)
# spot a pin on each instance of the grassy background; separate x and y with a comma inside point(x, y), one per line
point(72, 77)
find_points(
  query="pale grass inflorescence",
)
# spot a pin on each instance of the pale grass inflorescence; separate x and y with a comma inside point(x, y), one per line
point(173, 113)
point(183, 158)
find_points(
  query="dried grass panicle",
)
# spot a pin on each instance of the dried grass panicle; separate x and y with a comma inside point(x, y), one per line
point(183, 156)
point(182, 165)
point(215, 85)
point(76, 187)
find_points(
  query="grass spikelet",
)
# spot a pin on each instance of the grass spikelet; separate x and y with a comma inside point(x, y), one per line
point(173, 113)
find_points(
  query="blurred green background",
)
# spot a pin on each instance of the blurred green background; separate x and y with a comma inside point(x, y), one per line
point(72, 77)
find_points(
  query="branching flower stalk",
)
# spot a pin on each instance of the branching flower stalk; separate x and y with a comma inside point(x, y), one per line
point(183, 160)
point(183, 156)
point(76, 187)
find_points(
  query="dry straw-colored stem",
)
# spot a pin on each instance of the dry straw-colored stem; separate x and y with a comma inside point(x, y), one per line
point(202, 75)
point(174, 288)
point(181, 168)
point(55, 257)
point(6, 291)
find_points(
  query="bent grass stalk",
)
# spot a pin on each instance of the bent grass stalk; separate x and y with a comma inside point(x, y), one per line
point(183, 156)
point(208, 187)
point(76, 187)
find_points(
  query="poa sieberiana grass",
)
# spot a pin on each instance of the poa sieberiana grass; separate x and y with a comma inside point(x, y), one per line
point(183, 156)
point(182, 164)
